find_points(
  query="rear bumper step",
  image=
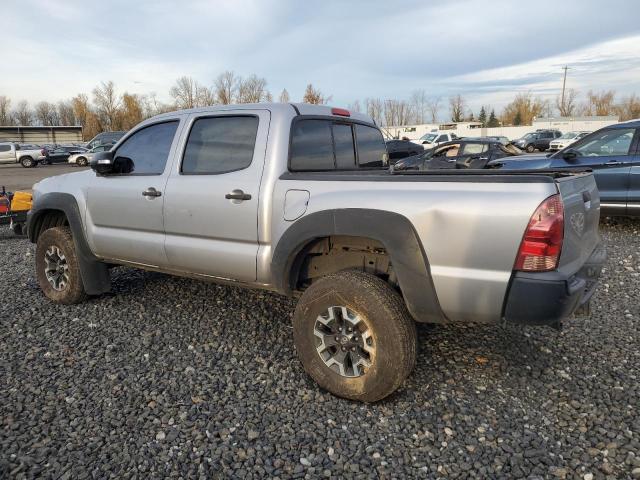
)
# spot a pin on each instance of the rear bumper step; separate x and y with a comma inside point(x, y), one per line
point(547, 298)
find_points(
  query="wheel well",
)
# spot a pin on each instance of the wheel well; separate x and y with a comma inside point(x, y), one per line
point(326, 255)
point(48, 219)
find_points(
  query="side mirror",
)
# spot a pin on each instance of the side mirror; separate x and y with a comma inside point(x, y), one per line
point(570, 155)
point(102, 163)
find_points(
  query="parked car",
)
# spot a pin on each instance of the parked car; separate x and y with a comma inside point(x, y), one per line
point(15, 153)
point(566, 139)
point(433, 139)
point(538, 140)
point(82, 159)
point(294, 201)
point(613, 153)
point(398, 149)
point(60, 154)
point(104, 138)
point(463, 153)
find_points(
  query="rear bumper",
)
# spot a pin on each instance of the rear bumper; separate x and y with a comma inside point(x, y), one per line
point(547, 298)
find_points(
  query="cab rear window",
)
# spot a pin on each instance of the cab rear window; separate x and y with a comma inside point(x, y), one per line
point(324, 145)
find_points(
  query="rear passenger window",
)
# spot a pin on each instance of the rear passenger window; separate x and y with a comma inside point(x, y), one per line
point(311, 146)
point(371, 148)
point(343, 140)
point(220, 145)
point(5, 148)
point(474, 148)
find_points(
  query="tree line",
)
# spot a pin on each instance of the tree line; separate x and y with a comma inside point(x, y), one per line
point(107, 109)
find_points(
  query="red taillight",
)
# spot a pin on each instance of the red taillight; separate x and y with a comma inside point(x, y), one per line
point(542, 241)
point(340, 111)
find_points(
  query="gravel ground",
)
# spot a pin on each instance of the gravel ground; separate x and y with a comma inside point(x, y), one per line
point(170, 377)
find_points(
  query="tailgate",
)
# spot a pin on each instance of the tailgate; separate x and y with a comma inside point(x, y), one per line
point(581, 201)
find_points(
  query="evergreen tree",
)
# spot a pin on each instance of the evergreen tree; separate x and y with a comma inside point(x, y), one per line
point(493, 121)
point(482, 118)
point(517, 120)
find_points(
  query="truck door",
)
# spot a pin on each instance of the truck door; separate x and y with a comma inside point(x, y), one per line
point(608, 152)
point(211, 203)
point(124, 209)
point(633, 197)
point(7, 153)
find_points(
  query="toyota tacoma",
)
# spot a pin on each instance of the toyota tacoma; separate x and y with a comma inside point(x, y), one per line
point(296, 199)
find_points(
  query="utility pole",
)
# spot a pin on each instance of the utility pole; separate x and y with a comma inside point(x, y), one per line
point(564, 83)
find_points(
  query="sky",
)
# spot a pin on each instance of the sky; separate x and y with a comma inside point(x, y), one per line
point(485, 50)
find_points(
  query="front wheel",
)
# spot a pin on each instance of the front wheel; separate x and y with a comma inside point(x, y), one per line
point(530, 148)
point(57, 267)
point(354, 336)
point(82, 162)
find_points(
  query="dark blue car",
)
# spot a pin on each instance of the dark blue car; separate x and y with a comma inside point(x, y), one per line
point(613, 153)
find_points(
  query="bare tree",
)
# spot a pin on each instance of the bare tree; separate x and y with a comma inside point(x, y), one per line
point(204, 96)
point(46, 113)
point(252, 90)
point(600, 103)
point(65, 113)
point(184, 92)
point(397, 112)
point(629, 108)
point(226, 87)
point(314, 96)
point(107, 105)
point(284, 96)
point(569, 106)
point(433, 107)
point(456, 108)
point(523, 109)
point(355, 106)
point(5, 108)
point(375, 109)
point(419, 104)
point(23, 115)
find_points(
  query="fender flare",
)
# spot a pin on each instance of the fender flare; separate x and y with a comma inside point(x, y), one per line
point(94, 273)
point(392, 230)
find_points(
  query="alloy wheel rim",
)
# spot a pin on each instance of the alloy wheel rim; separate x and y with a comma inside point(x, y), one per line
point(344, 341)
point(56, 268)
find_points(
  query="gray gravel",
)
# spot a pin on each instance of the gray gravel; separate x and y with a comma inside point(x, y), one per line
point(172, 377)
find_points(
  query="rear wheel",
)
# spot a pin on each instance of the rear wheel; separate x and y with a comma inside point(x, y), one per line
point(27, 162)
point(354, 336)
point(57, 267)
point(82, 162)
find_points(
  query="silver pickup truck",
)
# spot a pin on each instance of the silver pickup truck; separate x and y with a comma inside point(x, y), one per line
point(295, 198)
point(15, 153)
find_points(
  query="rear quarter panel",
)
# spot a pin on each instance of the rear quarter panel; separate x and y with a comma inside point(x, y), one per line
point(470, 231)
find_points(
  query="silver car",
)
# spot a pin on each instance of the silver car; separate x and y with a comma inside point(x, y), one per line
point(82, 159)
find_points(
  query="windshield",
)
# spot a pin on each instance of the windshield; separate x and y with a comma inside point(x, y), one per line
point(569, 135)
point(429, 137)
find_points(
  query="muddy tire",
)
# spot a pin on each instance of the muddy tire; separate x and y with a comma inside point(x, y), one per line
point(57, 268)
point(354, 336)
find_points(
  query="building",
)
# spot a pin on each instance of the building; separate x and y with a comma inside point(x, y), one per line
point(41, 135)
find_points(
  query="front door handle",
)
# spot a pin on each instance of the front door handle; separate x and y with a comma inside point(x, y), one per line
point(237, 195)
point(151, 192)
point(613, 163)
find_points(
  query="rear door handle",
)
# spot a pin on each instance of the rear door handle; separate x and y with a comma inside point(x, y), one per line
point(613, 162)
point(151, 192)
point(237, 195)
